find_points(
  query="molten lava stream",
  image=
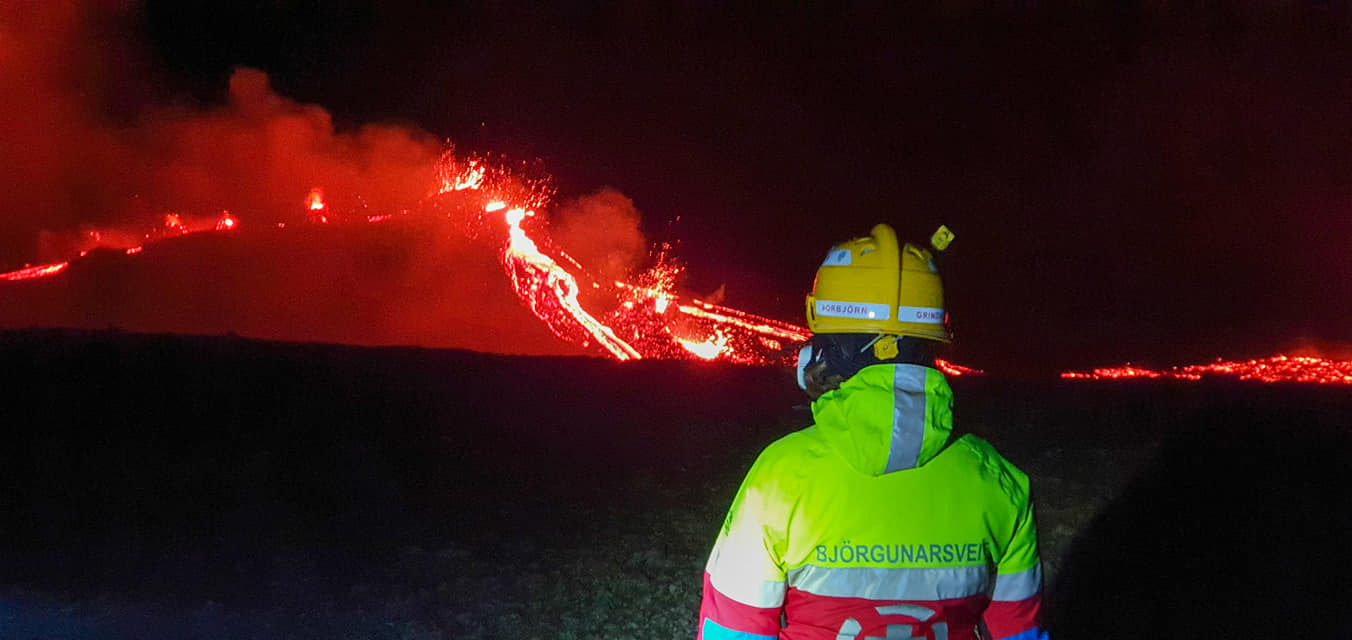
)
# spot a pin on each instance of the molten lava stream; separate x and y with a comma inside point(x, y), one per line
point(40, 271)
point(1279, 368)
point(548, 289)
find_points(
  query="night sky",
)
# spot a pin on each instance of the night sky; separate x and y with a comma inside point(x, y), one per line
point(1126, 184)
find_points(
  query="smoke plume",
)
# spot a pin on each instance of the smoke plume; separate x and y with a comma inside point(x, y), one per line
point(90, 150)
point(72, 165)
point(601, 231)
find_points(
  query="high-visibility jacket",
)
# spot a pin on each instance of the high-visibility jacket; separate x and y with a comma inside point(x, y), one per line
point(872, 524)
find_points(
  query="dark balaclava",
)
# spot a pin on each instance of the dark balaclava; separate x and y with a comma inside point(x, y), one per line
point(829, 359)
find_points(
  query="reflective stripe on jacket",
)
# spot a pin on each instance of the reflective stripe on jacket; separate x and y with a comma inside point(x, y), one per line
point(872, 524)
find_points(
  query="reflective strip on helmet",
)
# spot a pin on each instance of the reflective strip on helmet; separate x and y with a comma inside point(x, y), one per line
point(891, 583)
point(922, 315)
point(862, 310)
point(837, 258)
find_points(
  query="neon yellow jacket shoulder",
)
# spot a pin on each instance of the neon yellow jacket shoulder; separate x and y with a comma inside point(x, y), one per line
point(873, 518)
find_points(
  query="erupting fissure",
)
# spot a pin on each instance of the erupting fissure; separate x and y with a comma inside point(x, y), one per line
point(622, 320)
point(642, 318)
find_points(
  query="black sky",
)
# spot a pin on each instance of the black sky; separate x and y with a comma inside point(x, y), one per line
point(1127, 183)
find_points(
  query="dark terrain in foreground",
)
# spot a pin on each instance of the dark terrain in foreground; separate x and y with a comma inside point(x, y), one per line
point(217, 487)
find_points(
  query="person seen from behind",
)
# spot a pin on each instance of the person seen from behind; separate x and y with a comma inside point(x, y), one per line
point(873, 523)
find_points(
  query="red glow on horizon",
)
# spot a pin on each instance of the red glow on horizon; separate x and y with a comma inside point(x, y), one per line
point(40, 271)
point(955, 370)
point(1279, 368)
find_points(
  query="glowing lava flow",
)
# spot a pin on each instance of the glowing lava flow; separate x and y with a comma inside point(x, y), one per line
point(1303, 369)
point(709, 349)
point(547, 286)
point(172, 227)
point(644, 320)
point(28, 273)
point(955, 370)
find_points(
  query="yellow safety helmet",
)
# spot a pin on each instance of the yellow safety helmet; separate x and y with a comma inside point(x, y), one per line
point(872, 286)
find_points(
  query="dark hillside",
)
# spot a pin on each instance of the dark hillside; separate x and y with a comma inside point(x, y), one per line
point(1240, 523)
point(224, 470)
point(137, 439)
point(215, 487)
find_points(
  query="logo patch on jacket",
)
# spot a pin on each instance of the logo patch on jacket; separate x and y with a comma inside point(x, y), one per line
point(900, 554)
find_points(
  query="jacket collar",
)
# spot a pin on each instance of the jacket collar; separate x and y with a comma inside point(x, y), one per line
point(887, 417)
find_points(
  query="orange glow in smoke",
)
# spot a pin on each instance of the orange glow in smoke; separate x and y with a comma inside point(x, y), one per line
point(226, 222)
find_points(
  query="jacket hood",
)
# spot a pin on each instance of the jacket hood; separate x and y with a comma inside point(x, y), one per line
point(887, 417)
